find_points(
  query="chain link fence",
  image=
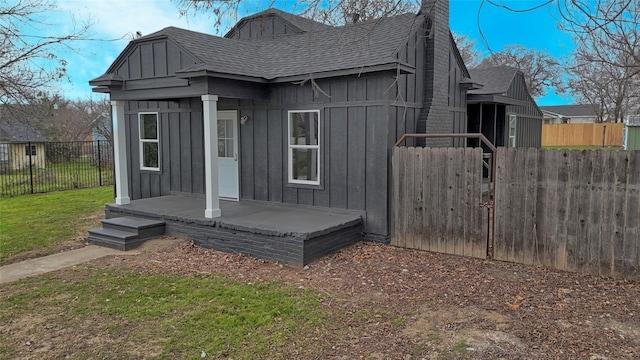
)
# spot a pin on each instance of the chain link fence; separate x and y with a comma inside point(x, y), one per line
point(39, 167)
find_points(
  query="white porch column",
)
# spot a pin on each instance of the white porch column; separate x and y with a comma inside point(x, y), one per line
point(120, 153)
point(210, 112)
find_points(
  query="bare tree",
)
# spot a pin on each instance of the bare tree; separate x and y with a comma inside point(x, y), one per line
point(340, 12)
point(467, 48)
point(101, 115)
point(332, 12)
point(606, 32)
point(612, 90)
point(605, 68)
point(28, 62)
point(541, 70)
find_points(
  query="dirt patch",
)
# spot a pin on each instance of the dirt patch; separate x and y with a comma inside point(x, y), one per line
point(409, 304)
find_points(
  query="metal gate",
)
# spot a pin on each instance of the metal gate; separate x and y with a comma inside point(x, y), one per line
point(443, 197)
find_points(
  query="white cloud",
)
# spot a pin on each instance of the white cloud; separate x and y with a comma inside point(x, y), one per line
point(117, 18)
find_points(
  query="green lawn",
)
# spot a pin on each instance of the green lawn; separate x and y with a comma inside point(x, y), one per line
point(79, 174)
point(36, 221)
point(169, 316)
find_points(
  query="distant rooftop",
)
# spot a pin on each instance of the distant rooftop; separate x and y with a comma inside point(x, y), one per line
point(570, 110)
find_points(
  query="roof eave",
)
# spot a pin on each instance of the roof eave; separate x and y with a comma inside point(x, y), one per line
point(214, 74)
point(494, 98)
point(469, 84)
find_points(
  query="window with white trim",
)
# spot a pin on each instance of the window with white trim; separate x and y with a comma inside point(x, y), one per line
point(149, 141)
point(304, 147)
point(512, 130)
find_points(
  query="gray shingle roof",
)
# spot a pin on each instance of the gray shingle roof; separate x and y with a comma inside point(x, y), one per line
point(570, 110)
point(360, 45)
point(13, 131)
point(302, 23)
point(496, 80)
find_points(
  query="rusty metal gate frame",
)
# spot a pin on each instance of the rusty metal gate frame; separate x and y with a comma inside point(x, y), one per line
point(488, 161)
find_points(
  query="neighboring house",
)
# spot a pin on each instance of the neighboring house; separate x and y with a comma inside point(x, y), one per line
point(284, 110)
point(100, 126)
point(502, 109)
point(632, 133)
point(21, 146)
point(569, 114)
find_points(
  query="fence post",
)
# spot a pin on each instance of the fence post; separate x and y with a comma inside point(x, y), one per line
point(99, 164)
point(30, 166)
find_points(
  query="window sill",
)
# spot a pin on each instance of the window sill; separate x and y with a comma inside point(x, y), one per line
point(305, 186)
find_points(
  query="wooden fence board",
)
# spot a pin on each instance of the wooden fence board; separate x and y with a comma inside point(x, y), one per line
point(596, 193)
point(542, 195)
point(606, 244)
point(529, 212)
point(572, 225)
point(427, 200)
point(563, 206)
point(582, 210)
point(571, 210)
point(582, 134)
point(619, 201)
point(418, 199)
point(480, 214)
point(501, 200)
point(632, 220)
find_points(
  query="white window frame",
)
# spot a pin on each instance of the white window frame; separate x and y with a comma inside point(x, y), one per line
point(142, 141)
point(512, 139)
point(292, 147)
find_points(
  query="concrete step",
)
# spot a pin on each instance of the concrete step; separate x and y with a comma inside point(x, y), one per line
point(143, 228)
point(115, 239)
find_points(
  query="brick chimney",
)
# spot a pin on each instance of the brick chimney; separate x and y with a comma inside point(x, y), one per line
point(435, 116)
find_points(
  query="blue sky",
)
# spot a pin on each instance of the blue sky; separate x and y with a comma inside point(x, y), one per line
point(117, 19)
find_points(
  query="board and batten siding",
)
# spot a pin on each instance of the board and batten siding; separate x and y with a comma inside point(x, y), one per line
point(155, 59)
point(355, 147)
point(529, 122)
point(181, 130)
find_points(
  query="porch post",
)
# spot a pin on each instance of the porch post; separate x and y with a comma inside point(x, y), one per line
point(120, 153)
point(210, 112)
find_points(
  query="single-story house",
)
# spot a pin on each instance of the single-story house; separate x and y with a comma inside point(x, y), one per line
point(502, 109)
point(21, 146)
point(289, 121)
point(569, 114)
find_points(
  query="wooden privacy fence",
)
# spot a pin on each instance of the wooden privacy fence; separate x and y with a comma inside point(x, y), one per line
point(438, 200)
point(570, 210)
point(601, 134)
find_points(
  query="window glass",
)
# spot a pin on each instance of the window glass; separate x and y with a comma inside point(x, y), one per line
point(304, 147)
point(149, 141)
point(148, 126)
point(150, 157)
point(304, 128)
point(305, 164)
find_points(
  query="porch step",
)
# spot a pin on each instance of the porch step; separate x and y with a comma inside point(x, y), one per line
point(125, 233)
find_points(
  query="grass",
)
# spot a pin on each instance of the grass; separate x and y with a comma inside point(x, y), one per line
point(582, 147)
point(40, 220)
point(177, 316)
point(78, 174)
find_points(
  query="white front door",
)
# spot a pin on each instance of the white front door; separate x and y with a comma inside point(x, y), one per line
point(228, 154)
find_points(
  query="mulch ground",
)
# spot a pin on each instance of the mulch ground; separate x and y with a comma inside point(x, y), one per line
point(429, 305)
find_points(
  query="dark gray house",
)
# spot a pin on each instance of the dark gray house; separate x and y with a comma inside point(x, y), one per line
point(502, 109)
point(284, 115)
